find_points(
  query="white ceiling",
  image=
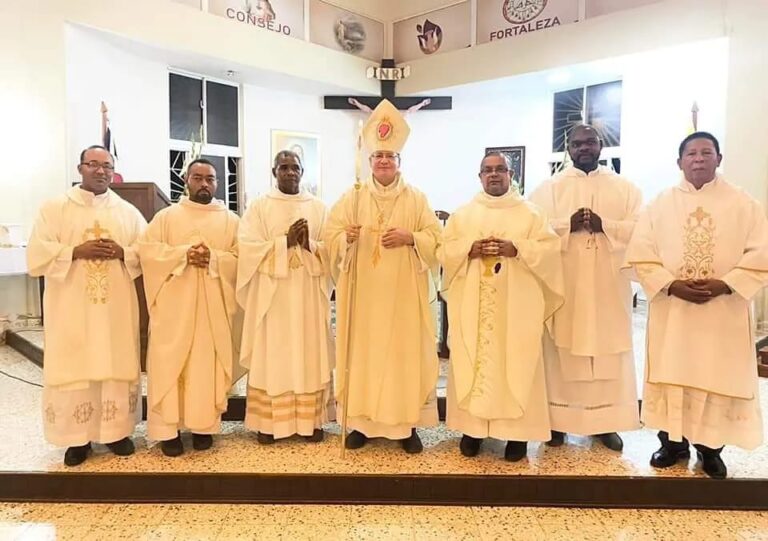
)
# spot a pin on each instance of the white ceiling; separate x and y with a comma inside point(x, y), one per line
point(391, 10)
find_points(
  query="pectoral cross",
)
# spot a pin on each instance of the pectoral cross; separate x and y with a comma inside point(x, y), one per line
point(378, 231)
point(489, 263)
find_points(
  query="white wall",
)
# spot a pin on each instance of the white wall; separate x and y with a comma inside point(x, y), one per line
point(445, 148)
point(266, 109)
point(135, 90)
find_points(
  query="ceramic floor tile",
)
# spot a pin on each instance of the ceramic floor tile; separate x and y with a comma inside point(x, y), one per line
point(505, 516)
point(317, 533)
point(240, 532)
point(263, 514)
point(443, 516)
point(381, 514)
point(318, 515)
point(522, 532)
point(57, 533)
point(236, 450)
point(119, 533)
point(184, 532)
point(129, 514)
point(65, 514)
point(574, 532)
point(202, 515)
point(380, 532)
point(437, 532)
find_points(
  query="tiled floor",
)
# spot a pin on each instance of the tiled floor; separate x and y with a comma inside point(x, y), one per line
point(236, 522)
point(23, 448)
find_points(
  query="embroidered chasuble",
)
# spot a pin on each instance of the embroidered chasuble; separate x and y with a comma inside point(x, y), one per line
point(192, 317)
point(589, 359)
point(91, 358)
point(497, 308)
point(700, 375)
point(285, 292)
point(393, 359)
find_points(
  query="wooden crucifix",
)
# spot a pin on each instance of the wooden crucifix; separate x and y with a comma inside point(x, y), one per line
point(403, 103)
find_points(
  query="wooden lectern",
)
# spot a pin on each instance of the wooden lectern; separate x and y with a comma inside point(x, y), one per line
point(149, 199)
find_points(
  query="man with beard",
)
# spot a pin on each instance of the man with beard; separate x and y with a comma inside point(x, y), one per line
point(589, 361)
point(189, 257)
point(283, 284)
point(504, 280)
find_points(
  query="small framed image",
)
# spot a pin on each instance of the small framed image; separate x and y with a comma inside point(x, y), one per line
point(516, 157)
point(307, 146)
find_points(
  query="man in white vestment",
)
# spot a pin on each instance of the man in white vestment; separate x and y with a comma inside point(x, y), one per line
point(700, 251)
point(83, 243)
point(189, 258)
point(283, 284)
point(382, 241)
point(589, 362)
point(503, 277)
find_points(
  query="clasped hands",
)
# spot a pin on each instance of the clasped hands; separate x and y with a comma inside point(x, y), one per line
point(394, 237)
point(98, 249)
point(585, 219)
point(199, 256)
point(492, 247)
point(298, 234)
point(698, 291)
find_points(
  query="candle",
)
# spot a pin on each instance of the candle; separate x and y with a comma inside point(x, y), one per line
point(358, 153)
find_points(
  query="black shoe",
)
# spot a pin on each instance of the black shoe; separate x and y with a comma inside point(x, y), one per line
point(515, 450)
point(172, 447)
point(470, 446)
point(558, 438)
point(355, 440)
point(666, 457)
point(265, 439)
point(412, 444)
point(74, 456)
point(611, 440)
point(202, 442)
point(123, 447)
point(713, 465)
point(316, 437)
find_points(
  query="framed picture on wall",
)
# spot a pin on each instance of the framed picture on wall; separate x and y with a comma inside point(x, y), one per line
point(307, 146)
point(516, 157)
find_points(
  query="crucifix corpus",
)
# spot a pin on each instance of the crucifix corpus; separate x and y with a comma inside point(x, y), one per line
point(388, 74)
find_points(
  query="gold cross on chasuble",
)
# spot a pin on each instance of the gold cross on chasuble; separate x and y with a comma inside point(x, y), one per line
point(95, 232)
point(97, 282)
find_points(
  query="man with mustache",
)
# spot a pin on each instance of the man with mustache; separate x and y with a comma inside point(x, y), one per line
point(189, 257)
point(283, 284)
point(700, 250)
point(589, 361)
point(83, 243)
point(386, 343)
point(500, 259)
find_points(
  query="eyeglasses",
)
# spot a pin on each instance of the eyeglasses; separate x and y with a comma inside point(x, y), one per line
point(488, 170)
point(385, 156)
point(96, 165)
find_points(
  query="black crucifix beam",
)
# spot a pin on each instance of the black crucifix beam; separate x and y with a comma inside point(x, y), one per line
point(403, 103)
